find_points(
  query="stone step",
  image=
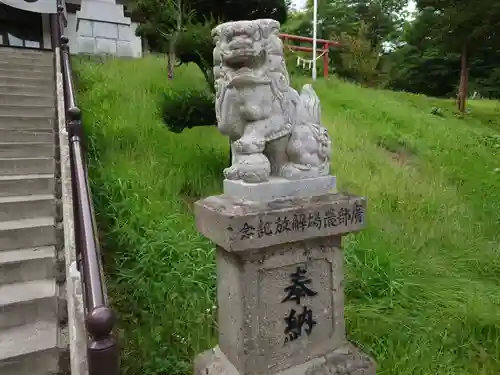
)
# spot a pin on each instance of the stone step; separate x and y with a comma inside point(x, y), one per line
point(46, 91)
point(27, 207)
point(26, 122)
point(10, 51)
point(26, 81)
point(27, 135)
point(23, 166)
point(29, 349)
point(35, 263)
point(22, 234)
point(27, 110)
point(26, 99)
point(25, 73)
point(34, 60)
point(42, 66)
point(26, 150)
point(27, 302)
point(27, 185)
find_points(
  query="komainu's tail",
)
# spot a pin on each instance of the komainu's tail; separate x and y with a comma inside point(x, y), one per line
point(311, 105)
point(311, 115)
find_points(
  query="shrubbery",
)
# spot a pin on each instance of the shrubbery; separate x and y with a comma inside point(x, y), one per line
point(188, 108)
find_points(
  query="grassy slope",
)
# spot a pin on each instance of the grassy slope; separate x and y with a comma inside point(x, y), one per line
point(423, 280)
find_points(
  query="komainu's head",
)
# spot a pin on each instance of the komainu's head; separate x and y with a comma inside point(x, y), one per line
point(244, 44)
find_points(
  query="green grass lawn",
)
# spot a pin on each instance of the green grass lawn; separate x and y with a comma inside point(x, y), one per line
point(423, 279)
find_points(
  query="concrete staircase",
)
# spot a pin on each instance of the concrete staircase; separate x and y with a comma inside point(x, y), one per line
point(32, 314)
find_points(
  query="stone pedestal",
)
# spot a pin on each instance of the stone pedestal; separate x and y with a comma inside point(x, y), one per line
point(280, 285)
point(280, 188)
point(102, 28)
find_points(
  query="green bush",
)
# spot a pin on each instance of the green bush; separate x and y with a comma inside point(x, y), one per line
point(195, 45)
point(188, 108)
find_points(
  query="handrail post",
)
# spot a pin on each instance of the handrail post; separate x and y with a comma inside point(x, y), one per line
point(102, 349)
point(74, 125)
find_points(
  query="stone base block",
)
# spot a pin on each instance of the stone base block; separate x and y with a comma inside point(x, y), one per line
point(346, 360)
point(279, 188)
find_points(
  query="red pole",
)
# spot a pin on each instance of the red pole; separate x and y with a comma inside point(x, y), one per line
point(325, 61)
point(306, 49)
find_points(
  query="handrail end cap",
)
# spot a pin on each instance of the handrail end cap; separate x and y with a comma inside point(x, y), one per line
point(74, 113)
point(100, 322)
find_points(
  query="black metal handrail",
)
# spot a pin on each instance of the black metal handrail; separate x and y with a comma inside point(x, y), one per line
point(102, 348)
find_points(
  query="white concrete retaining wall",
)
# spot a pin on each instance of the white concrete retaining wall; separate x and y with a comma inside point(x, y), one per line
point(74, 294)
point(96, 37)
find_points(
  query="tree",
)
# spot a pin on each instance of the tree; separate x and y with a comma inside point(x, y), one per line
point(235, 10)
point(360, 59)
point(367, 24)
point(420, 64)
point(429, 63)
point(464, 27)
point(161, 27)
point(382, 18)
point(427, 71)
point(195, 45)
point(426, 64)
point(184, 27)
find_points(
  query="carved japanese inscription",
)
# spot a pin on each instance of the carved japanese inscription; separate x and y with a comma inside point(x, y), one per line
point(299, 322)
point(296, 308)
point(332, 217)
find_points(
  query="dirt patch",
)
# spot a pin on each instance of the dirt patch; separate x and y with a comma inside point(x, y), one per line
point(402, 157)
point(189, 195)
point(397, 149)
point(189, 201)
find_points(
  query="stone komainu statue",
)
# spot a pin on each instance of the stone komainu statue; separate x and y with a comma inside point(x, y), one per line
point(274, 130)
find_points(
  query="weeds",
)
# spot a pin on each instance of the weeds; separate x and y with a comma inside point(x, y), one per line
point(423, 281)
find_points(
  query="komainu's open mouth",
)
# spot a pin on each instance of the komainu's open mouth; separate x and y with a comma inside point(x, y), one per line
point(244, 58)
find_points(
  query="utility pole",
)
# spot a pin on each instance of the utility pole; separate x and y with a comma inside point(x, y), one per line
point(315, 37)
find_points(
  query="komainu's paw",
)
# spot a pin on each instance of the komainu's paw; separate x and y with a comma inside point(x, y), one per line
point(249, 146)
point(251, 168)
point(255, 176)
point(232, 173)
point(292, 171)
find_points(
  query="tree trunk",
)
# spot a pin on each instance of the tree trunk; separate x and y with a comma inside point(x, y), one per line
point(171, 58)
point(464, 80)
point(173, 41)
